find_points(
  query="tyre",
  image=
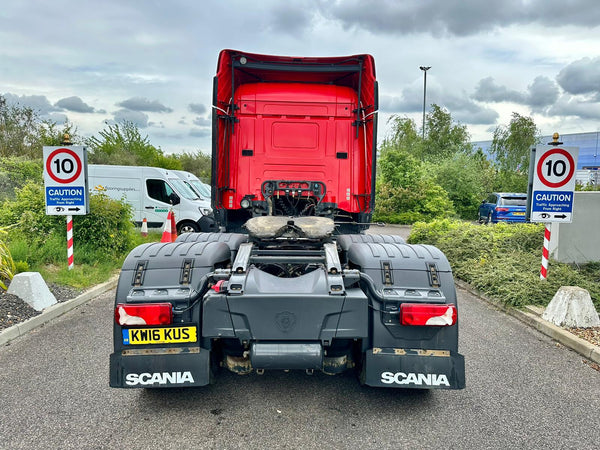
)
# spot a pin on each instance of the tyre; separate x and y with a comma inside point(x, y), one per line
point(489, 219)
point(187, 227)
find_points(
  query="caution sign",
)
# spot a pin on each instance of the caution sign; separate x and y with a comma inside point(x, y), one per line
point(65, 180)
point(553, 184)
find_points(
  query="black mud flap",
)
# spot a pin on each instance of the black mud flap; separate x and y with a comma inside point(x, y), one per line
point(160, 370)
point(414, 369)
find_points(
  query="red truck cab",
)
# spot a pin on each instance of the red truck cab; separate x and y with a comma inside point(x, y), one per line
point(294, 137)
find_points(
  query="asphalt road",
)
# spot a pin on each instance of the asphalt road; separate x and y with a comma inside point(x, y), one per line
point(523, 391)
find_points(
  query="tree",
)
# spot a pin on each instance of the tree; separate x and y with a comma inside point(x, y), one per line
point(511, 148)
point(23, 133)
point(404, 193)
point(399, 168)
point(444, 138)
point(197, 163)
point(467, 179)
point(511, 144)
point(403, 136)
point(123, 144)
point(15, 172)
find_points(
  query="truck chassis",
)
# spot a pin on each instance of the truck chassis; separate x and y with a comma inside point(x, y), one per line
point(290, 282)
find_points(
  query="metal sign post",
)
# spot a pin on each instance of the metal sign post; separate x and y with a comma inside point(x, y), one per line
point(552, 171)
point(65, 185)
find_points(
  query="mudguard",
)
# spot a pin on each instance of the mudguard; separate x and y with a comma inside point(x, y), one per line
point(164, 265)
point(414, 369)
point(177, 367)
point(233, 240)
point(346, 240)
point(164, 272)
point(423, 357)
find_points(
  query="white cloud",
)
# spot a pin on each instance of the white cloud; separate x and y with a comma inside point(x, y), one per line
point(136, 117)
point(74, 104)
point(143, 104)
point(487, 58)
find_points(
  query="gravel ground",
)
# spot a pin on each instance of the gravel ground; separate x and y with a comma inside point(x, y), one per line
point(589, 334)
point(13, 310)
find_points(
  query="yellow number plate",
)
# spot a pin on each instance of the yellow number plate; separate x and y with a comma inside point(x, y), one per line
point(172, 335)
point(519, 214)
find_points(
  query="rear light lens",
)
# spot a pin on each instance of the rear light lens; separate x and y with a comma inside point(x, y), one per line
point(422, 314)
point(502, 209)
point(144, 314)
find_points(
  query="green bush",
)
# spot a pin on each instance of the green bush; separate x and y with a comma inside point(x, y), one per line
point(504, 260)
point(431, 232)
point(467, 178)
point(21, 266)
point(108, 226)
point(421, 202)
point(15, 172)
point(27, 213)
point(107, 231)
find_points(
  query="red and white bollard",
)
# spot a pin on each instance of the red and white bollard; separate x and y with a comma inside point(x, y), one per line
point(545, 253)
point(70, 241)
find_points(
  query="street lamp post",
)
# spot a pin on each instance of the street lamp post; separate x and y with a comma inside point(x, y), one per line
point(424, 69)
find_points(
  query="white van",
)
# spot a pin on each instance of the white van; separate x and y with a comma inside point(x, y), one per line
point(202, 189)
point(151, 191)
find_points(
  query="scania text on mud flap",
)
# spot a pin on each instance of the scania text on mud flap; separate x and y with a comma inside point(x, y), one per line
point(290, 282)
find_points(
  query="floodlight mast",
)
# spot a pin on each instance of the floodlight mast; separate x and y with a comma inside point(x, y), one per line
point(424, 69)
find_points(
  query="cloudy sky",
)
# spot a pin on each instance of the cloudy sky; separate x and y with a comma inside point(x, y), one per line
point(152, 62)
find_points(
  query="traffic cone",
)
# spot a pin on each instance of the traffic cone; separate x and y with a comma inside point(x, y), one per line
point(166, 236)
point(173, 227)
point(144, 227)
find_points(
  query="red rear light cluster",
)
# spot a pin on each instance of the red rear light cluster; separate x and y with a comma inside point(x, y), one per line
point(501, 209)
point(144, 314)
point(428, 314)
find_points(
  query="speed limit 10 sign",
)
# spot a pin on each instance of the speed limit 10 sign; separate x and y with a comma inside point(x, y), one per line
point(553, 183)
point(65, 180)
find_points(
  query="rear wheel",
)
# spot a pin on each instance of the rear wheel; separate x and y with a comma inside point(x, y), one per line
point(489, 219)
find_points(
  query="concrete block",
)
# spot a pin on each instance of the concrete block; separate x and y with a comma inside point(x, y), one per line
point(32, 289)
point(572, 307)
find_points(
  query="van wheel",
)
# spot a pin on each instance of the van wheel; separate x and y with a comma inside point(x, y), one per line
point(187, 227)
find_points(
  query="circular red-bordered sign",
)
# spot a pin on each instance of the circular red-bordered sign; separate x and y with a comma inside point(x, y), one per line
point(571, 168)
point(72, 154)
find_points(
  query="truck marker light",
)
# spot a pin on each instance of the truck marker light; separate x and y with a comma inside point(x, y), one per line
point(144, 314)
point(218, 286)
point(422, 314)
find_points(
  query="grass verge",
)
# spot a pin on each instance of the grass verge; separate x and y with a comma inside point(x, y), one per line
point(92, 266)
